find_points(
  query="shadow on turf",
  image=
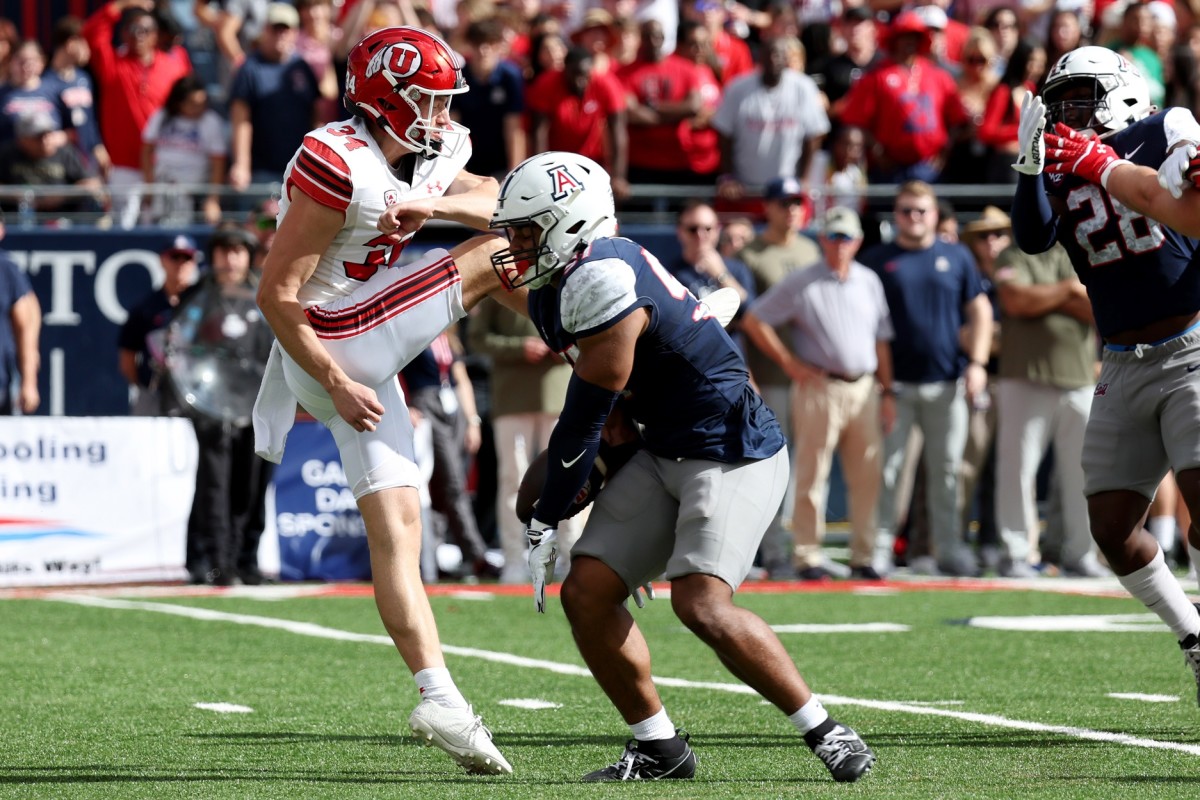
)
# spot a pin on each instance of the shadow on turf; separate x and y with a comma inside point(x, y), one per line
point(745, 740)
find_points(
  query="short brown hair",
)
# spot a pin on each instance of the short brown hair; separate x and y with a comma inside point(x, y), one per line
point(917, 189)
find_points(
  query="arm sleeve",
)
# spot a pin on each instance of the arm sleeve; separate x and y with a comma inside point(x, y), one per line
point(1035, 229)
point(573, 447)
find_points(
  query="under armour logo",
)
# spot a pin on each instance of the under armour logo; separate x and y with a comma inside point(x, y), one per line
point(435, 187)
point(1101, 390)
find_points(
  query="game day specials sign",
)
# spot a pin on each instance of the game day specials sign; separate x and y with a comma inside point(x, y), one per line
point(94, 499)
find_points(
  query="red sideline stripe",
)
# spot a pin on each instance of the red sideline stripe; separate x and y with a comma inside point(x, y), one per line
point(380, 308)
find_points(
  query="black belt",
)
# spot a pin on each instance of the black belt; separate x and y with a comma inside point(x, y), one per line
point(846, 378)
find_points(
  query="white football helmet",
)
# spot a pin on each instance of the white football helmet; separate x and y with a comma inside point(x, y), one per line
point(1119, 94)
point(567, 199)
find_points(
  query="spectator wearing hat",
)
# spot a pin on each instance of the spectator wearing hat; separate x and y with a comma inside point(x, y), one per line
point(778, 250)
point(770, 123)
point(1044, 393)
point(858, 29)
point(950, 34)
point(133, 82)
point(908, 105)
point(273, 102)
point(986, 237)
point(839, 361)
point(597, 34)
point(578, 111)
point(933, 291)
point(41, 156)
point(139, 360)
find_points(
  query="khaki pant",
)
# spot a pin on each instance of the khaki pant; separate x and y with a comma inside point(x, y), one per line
point(829, 415)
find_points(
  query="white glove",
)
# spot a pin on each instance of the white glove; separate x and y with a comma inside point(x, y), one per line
point(1173, 174)
point(646, 587)
point(1031, 156)
point(543, 552)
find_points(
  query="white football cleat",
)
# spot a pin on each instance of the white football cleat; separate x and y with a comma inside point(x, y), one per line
point(462, 734)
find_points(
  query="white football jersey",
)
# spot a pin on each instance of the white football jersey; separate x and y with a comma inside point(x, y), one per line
point(341, 166)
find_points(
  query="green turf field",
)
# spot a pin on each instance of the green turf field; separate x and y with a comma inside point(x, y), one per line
point(100, 699)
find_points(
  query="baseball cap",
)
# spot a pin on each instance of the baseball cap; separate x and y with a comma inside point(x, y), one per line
point(857, 14)
point(35, 123)
point(182, 244)
point(783, 189)
point(840, 220)
point(283, 14)
point(935, 18)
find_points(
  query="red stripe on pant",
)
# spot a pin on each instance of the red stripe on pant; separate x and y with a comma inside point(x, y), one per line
point(384, 306)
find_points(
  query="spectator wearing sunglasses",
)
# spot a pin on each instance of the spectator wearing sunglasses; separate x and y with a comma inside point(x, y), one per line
point(839, 361)
point(132, 82)
point(700, 267)
point(934, 291)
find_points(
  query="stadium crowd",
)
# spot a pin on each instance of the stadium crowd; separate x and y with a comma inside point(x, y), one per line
point(779, 115)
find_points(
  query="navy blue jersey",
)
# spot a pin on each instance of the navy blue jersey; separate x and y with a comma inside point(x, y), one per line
point(1136, 271)
point(690, 390)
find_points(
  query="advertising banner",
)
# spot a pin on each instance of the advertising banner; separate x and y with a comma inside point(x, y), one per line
point(94, 500)
point(321, 534)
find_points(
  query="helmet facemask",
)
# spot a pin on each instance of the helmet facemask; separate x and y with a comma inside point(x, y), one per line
point(529, 266)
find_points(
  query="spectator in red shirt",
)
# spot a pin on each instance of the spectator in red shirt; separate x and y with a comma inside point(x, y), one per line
point(575, 110)
point(664, 97)
point(133, 83)
point(908, 105)
point(998, 131)
point(700, 140)
point(732, 54)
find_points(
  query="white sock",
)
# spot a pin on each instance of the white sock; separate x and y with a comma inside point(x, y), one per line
point(1163, 530)
point(436, 684)
point(810, 715)
point(1158, 590)
point(657, 727)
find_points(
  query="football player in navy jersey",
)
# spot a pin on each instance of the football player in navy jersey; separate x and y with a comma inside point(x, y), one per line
point(691, 505)
point(1143, 279)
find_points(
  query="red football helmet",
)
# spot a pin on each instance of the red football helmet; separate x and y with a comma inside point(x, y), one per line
point(403, 79)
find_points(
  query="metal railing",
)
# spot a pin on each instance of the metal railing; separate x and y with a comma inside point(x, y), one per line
point(180, 205)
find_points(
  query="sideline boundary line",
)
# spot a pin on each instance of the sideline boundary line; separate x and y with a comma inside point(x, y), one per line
point(320, 631)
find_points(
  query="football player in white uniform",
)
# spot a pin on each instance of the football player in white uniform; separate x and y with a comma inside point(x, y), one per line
point(347, 319)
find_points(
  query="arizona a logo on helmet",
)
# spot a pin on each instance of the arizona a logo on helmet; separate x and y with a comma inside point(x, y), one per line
point(562, 182)
point(401, 59)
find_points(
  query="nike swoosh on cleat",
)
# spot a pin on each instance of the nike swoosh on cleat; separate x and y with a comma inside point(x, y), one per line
point(568, 464)
point(1193, 367)
point(1132, 152)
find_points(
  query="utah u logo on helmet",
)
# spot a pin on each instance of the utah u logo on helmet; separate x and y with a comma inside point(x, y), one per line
point(401, 60)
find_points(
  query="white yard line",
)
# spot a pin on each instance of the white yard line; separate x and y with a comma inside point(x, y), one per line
point(320, 631)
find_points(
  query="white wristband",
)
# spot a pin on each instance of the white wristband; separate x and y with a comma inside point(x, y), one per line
point(1108, 171)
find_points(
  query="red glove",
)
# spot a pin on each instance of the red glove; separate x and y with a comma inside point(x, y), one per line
point(1069, 152)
